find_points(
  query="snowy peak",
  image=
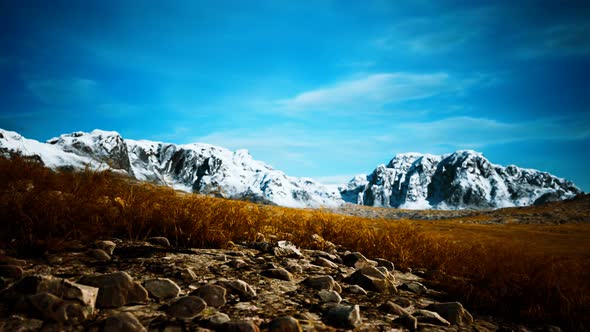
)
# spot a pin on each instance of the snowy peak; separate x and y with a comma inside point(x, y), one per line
point(196, 167)
point(463, 179)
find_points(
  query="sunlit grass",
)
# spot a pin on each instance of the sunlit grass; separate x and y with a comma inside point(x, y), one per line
point(41, 209)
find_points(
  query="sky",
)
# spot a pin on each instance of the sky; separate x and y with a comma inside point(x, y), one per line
point(322, 89)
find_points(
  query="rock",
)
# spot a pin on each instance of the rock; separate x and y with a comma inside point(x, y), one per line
point(356, 260)
point(286, 249)
point(284, 324)
point(238, 263)
point(239, 326)
point(213, 295)
point(408, 321)
point(21, 324)
point(414, 287)
point(278, 273)
point(116, 289)
point(294, 267)
point(452, 312)
point(11, 271)
point(321, 261)
point(122, 322)
point(99, 255)
point(355, 289)
point(187, 274)
point(403, 302)
point(322, 282)
point(372, 279)
point(187, 307)
point(53, 308)
point(329, 296)
point(345, 316)
point(215, 321)
point(430, 317)
point(385, 263)
point(107, 246)
point(162, 288)
point(6, 260)
point(86, 295)
point(159, 240)
point(239, 287)
point(393, 308)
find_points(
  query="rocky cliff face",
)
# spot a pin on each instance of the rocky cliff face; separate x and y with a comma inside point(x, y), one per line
point(198, 167)
point(464, 179)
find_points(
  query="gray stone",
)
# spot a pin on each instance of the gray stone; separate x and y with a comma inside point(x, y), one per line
point(430, 317)
point(356, 289)
point(356, 260)
point(159, 240)
point(187, 274)
point(215, 321)
point(393, 308)
point(408, 321)
point(107, 246)
point(329, 296)
point(187, 307)
point(239, 287)
point(214, 295)
point(322, 282)
point(294, 267)
point(385, 263)
point(284, 324)
point(239, 326)
point(123, 322)
point(372, 279)
point(286, 249)
point(20, 324)
point(453, 312)
point(11, 271)
point(278, 273)
point(414, 287)
point(344, 316)
point(321, 261)
point(53, 308)
point(238, 263)
point(99, 255)
point(162, 288)
point(116, 289)
point(403, 302)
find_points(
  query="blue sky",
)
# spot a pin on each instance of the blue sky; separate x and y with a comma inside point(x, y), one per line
point(324, 89)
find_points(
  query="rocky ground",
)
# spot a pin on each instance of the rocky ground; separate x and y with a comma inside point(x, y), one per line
point(115, 285)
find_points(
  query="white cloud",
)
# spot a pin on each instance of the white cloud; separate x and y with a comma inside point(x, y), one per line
point(372, 90)
point(470, 132)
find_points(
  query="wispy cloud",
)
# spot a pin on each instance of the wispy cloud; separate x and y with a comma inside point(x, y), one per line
point(70, 91)
point(372, 90)
point(471, 132)
point(562, 39)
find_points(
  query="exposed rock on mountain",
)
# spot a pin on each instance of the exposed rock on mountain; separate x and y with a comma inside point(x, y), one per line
point(461, 180)
point(198, 167)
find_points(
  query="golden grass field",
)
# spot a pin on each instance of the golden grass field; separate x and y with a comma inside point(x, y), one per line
point(538, 272)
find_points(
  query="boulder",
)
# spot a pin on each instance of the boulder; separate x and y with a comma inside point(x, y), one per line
point(322, 282)
point(284, 324)
point(122, 322)
point(240, 287)
point(452, 312)
point(162, 288)
point(371, 279)
point(213, 295)
point(278, 273)
point(187, 307)
point(343, 316)
point(116, 289)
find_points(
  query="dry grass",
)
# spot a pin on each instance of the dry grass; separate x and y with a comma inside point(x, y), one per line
point(511, 271)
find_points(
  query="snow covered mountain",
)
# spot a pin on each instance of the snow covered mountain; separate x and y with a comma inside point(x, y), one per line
point(464, 179)
point(197, 167)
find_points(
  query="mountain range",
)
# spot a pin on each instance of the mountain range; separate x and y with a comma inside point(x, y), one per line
point(464, 179)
